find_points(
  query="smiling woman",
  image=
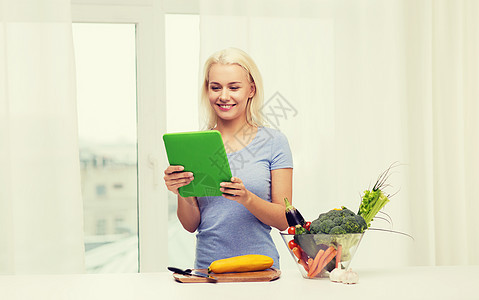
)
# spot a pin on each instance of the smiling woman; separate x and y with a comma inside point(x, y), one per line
point(253, 198)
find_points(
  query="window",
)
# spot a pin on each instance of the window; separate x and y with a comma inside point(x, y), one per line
point(118, 186)
point(148, 19)
point(100, 189)
point(100, 228)
point(107, 119)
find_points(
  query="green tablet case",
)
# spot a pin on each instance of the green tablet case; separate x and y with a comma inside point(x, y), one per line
point(202, 153)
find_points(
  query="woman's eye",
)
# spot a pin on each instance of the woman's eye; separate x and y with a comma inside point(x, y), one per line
point(234, 88)
point(215, 88)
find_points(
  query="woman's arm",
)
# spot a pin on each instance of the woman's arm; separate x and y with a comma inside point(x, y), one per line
point(188, 213)
point(270, 213)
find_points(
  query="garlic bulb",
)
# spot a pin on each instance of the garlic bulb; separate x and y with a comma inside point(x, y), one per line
point(340, 275)
point(336, 275)
point(350, 277)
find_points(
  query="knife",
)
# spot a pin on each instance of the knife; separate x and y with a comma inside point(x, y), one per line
point(191, 272)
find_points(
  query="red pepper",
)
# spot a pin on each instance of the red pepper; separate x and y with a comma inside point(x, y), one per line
point(307, 225)
point(291, 230)
point(292, 244)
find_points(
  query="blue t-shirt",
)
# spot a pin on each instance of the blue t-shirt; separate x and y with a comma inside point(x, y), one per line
point(227, 228)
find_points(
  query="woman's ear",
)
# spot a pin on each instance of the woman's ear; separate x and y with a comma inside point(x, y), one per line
point(253, 90)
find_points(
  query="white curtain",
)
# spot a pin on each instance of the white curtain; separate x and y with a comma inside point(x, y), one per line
point(358, 85)
point(41, 227)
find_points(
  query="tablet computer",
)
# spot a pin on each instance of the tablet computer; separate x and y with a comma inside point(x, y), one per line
point(202, 153)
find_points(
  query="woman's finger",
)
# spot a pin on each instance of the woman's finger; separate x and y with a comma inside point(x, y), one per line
point(175, 185)
point(173, 169)
point(236, 180)
point(173, 181)
point(176, 178)
point(230, 196)
point(181, 175)
point(234, 183)
point(233, 194)
point(230, 191)
point(229, 185)
point(170, 174)
point(179, 181)
point(234, 189)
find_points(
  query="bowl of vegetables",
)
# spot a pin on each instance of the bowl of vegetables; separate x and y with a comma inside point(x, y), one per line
point(327, 243)
point(317, 255)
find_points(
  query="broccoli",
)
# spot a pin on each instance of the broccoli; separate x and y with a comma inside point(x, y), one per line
point(361, 222)
point(337, 230)
point(323, 216)
point(344, 218)
point(338, 221)
point(326, 226)
point(321, 226)
point(351, 225)
point(346, 212)
point(334, 213)
point(314, 228)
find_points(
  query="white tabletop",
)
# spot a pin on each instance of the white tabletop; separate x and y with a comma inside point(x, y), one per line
point(458, 282)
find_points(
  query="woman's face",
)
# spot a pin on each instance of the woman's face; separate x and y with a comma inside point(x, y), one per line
point(229, 90)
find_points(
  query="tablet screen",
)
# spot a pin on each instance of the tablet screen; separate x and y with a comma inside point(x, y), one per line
point(202, 153)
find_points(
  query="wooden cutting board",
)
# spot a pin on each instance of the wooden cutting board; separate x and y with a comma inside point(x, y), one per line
point(257, 276)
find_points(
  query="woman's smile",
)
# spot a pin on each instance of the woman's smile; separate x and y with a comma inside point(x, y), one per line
point(225, 107)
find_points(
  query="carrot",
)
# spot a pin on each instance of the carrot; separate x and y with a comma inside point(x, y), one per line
point(317, 268)
point(297, 252)
point(338, 256)
point(310, 262)
point(302, 257)
point(326, 253)
point(325, 262)
point(314, 265)
point(304, 264)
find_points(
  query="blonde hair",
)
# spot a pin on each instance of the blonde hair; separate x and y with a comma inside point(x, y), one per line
point(236, 56)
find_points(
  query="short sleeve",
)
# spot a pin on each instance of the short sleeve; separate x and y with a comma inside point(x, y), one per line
point(281, 156)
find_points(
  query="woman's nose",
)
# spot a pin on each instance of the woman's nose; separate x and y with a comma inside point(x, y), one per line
point(224, 95)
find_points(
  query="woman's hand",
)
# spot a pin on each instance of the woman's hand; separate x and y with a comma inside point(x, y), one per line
point(270, 213)
point(235, 190)
point(176, 178)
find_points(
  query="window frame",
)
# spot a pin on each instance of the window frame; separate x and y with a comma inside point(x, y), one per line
point(152, 198)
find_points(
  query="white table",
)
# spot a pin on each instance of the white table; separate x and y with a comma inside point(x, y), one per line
point(458, 282)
